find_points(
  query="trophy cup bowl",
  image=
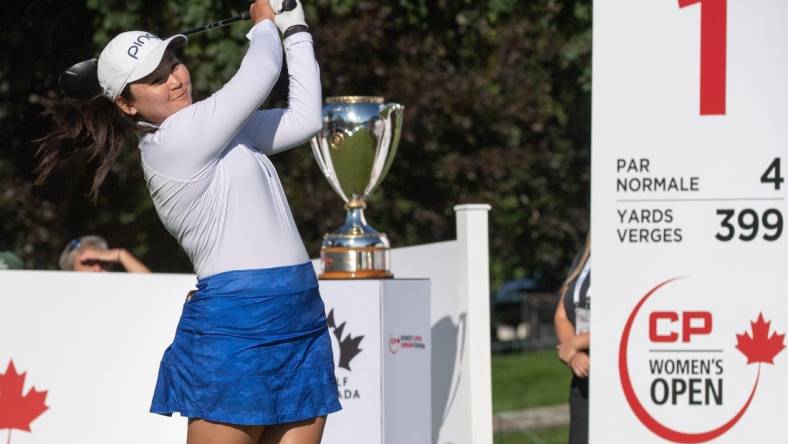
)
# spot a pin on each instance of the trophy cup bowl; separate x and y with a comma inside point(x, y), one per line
point(355, 150)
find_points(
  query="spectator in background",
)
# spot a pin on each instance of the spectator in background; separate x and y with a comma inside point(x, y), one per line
point(91, 253)
point(572, 327)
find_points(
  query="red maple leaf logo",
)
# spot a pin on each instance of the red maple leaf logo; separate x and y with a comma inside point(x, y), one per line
point(760, 347)
point(17, 411)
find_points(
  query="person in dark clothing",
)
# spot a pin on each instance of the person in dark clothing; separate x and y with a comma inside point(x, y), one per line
point(572, 328)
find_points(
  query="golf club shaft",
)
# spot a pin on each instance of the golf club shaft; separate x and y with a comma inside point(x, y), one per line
point(219, 24)
point(287, 5)
point(80, 81)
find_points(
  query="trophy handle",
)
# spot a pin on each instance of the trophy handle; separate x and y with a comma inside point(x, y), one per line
point(388, 135)
point(321, 152)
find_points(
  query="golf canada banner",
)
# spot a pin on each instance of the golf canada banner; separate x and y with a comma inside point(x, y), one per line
point(689, 129)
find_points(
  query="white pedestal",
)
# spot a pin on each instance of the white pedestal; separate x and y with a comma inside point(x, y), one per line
point(380, 333)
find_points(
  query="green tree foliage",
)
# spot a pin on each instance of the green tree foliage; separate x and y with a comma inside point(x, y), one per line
point(497, 97)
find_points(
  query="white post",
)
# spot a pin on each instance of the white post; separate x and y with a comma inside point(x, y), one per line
point(474, 293)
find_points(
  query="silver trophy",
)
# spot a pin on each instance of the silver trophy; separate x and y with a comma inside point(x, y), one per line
point(355, 150)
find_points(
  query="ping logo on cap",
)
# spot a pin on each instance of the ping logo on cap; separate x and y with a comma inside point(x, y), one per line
point(139, 43)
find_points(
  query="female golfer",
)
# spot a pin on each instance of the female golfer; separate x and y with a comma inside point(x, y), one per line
point(251, 361)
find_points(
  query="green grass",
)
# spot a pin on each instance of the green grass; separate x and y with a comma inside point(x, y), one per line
point(529, 380)
point(556, 435)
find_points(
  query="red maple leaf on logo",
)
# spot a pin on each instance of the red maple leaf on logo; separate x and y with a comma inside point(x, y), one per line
point(17, 411)
point(760, 347)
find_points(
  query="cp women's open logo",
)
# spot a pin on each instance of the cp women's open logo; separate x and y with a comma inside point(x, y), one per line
point(696, 379)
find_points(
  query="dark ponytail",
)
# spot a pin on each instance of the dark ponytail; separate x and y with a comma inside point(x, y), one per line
point(84, 130)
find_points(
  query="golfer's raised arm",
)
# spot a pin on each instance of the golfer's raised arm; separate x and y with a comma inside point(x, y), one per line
point(276, 130)
point(195, 137)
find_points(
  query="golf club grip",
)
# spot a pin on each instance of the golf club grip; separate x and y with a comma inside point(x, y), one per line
point(289, 5)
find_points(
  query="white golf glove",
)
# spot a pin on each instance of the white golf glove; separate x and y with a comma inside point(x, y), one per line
point(285, 20)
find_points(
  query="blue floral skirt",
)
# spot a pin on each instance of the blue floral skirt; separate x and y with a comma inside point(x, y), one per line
point(251, 348)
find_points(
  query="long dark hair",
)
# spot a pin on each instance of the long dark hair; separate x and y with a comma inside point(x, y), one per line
point(93, 130)
point(581, 262)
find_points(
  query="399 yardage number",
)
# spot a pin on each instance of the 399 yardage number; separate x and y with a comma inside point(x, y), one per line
point(748, 224)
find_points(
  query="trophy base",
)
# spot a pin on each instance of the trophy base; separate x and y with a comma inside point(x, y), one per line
point(355, 263)
point(342, 275)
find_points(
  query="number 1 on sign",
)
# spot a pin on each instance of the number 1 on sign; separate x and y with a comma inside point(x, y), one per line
point(713, 50)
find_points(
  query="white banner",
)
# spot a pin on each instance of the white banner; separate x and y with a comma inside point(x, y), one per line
point(92, 342)
point(688, 207)
point(86, 347)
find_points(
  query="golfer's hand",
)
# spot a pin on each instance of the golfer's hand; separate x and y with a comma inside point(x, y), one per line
point(286, 19)
point(580, 364)
point(261, 10)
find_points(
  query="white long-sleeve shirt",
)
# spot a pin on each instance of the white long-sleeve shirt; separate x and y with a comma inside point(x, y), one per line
point(207, 170)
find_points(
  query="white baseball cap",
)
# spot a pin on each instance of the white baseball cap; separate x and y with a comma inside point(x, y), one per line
point(131, 56)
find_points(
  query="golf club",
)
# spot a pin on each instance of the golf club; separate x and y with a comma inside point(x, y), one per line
point(80, 81)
